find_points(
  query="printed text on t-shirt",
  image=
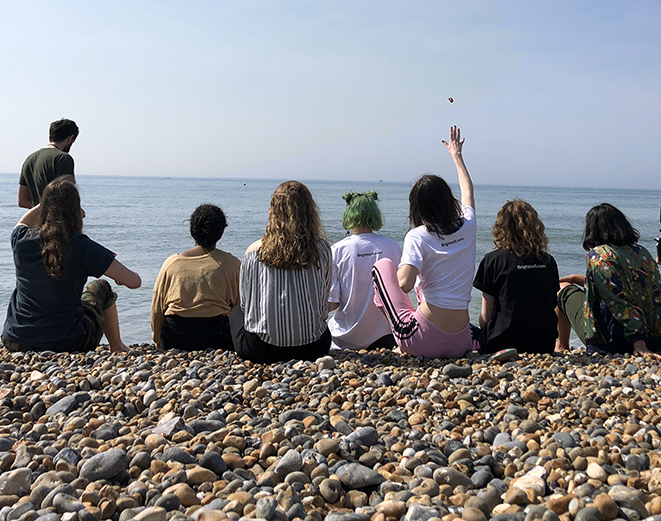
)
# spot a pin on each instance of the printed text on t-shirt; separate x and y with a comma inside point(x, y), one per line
point(449, 243)
point(370, 254)
point(530, 266)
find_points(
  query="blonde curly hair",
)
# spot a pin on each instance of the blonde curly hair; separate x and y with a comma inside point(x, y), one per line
point(519, 229)
point(294, 229)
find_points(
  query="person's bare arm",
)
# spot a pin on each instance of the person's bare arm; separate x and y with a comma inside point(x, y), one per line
point(332, 306)
point(574, 279)
point(406, 275)
point(30, 218)
point(486, 313)
point(465, 182)
point(24, 197)
point(123, 276)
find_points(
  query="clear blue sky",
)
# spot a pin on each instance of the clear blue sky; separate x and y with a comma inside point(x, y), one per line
point(546, 93)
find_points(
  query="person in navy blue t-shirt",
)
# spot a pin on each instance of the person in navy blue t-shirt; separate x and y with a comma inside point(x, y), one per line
point(51, 309)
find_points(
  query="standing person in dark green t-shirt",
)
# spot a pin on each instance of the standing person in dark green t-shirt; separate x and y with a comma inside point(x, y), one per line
point(44, 165)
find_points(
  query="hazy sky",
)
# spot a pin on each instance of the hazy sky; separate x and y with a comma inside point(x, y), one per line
point(546, 93)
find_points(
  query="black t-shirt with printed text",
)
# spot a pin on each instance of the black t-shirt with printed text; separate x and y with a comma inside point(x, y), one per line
point(526, 296)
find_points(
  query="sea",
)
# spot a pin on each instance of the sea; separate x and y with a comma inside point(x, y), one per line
point(144, 221)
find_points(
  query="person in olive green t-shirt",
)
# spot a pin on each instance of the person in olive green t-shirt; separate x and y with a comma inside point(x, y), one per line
point(44, 165)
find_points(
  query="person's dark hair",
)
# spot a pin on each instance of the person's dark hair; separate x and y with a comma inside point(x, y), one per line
point(432, 204)
point(60, 215)
point(207, 225)
point(605, 224)
point(62, 129)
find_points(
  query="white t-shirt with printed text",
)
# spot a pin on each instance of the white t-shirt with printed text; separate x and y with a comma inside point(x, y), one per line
point(357, 323)
point(446, 264)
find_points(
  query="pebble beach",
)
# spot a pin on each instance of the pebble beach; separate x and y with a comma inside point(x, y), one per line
point(206, 436)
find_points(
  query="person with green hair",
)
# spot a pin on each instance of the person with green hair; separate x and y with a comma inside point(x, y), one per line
point(357, 323)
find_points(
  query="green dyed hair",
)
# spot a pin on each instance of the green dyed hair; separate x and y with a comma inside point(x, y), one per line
point(362, 211)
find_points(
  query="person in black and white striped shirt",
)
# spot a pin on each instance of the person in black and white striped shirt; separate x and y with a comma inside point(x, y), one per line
point(284, 284)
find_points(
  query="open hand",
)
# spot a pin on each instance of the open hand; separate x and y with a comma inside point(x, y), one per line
point(456, 143)
point(640, 348)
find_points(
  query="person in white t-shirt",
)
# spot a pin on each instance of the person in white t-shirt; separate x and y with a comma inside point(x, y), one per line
point(439, 261)
point(357, 323)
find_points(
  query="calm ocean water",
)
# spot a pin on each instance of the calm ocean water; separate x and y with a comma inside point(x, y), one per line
point(143, 220)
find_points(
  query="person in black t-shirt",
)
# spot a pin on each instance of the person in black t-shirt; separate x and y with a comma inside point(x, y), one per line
point(519, 284)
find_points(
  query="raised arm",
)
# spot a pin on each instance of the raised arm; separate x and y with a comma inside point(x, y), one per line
point(465, 183)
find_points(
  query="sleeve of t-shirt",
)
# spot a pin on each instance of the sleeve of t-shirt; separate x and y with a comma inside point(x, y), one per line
point(64, 165)
point(484, 279)
point(96, 259)
point(334, 295)
point(412, 253)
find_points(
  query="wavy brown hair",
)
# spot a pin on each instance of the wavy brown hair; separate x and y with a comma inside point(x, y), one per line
point(294, 229)
point(60, 215)
point(519, 229)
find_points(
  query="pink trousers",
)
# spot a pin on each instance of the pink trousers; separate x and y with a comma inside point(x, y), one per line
point(414, 333)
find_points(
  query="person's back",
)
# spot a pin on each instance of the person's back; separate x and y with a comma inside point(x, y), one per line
point(357, 322)
point(45, 165)
point(628, 278)
point(197, 289)
point(44, 312)
point(519, 284)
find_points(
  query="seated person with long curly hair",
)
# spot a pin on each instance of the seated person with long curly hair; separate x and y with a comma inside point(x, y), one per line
point(51, 308)
point(284, 284)
point(196, 289)
point(519, 284)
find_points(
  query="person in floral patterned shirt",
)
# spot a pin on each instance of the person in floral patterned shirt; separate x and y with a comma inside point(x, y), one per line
point(616, 306)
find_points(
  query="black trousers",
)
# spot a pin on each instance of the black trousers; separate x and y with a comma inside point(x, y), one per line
point(251, 347)
point(194, 333)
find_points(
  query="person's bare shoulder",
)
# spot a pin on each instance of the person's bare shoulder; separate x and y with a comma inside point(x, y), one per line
point(254, 246)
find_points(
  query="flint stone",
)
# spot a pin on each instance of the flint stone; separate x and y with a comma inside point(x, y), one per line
point(346, 516)
point(64, 488)
point(105, 432)
point(297, 414)
point(199, 426)
point(178, 454)
point(355, 476)
point(48, 517)
point(169, 502)
point(6, 444)
point(417, 512)
point(290, 462)
point(106, 465)
point(151, 514)
point(141, 460)
point(66, 503)
point(39, 493)
point(589, 514)
point(565, 440)
point(21, 509)
point(214, 462)
point(364, 436)
point(64, 405)
point(265, 507)
point(168, 427)
point(130, 513)
point(457, 371)
point(452, 477)
point(16, 482)
point(67, 454)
